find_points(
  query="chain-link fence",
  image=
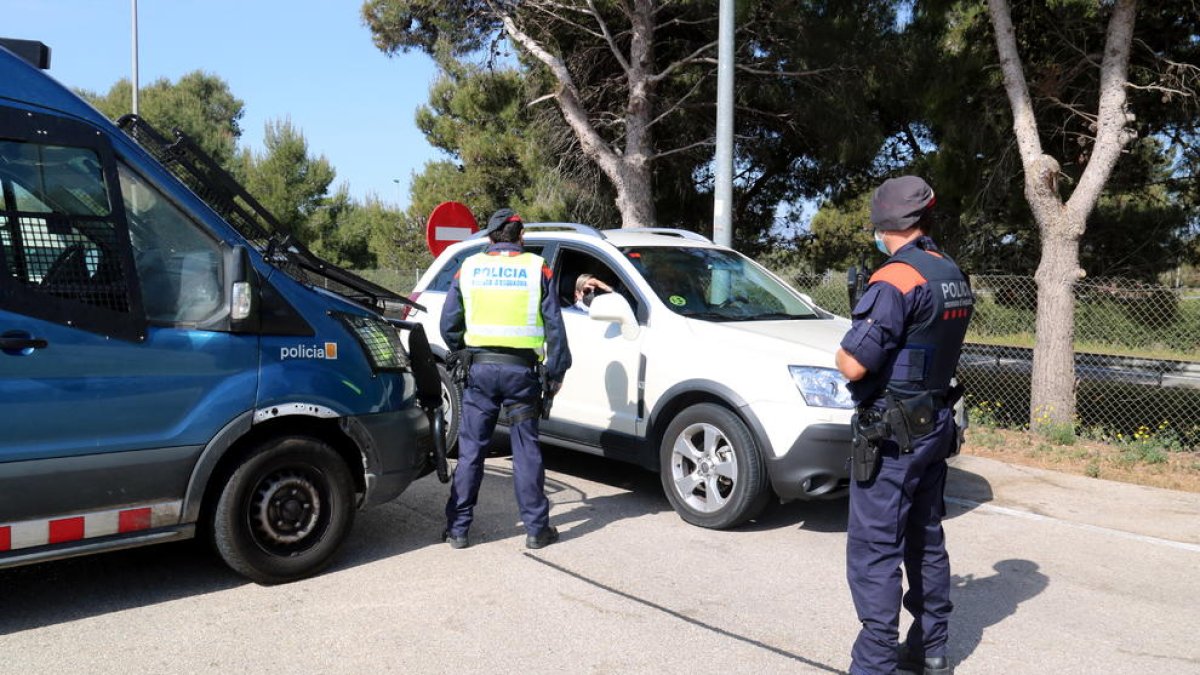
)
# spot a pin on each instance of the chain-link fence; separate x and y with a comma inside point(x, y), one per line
point(1137, 354)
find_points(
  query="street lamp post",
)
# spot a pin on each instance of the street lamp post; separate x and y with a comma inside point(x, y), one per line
point(723, 187)
point(399, 192)
point(134, 55)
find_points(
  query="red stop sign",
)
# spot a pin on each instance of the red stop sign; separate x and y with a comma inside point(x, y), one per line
point(450, 222)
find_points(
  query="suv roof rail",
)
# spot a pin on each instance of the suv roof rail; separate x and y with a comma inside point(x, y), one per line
point(574, 227)
point(670, 232)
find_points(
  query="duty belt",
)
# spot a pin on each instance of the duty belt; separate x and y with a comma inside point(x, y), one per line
point(504, 359)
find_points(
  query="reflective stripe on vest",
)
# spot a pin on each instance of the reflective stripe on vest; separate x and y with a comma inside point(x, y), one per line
point(502, 298)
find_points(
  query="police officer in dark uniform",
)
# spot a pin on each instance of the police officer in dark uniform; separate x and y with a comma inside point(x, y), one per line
point(900, 356)
point(500, 315)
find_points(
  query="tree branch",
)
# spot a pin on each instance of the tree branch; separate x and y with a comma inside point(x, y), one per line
point(567, 95)
point(685, 148)
point(608, 38)
point(1113, 132)
point(687, 60)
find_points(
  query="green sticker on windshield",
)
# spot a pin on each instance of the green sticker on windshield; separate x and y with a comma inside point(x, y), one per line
point(677, 300)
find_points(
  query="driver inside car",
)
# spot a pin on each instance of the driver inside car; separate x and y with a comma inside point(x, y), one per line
point(586, 288)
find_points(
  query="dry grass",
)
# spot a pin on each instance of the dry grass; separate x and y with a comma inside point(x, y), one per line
point(1171, 470)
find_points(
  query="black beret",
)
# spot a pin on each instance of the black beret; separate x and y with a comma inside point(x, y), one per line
point(900, 202)
point(499, 219)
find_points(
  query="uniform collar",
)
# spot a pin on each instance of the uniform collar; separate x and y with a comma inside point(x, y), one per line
point(505, 248)
point(922, 242)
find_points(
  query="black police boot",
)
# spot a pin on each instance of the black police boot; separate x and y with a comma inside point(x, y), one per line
point(459, 541)
point(542, 539)
point(907, 662)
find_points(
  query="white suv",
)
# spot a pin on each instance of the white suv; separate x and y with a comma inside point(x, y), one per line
point(701, 365)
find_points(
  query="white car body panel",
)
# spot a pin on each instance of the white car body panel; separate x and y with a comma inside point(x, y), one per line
point(612, 371)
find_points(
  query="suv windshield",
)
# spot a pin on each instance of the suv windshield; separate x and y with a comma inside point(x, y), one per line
point(717, 285)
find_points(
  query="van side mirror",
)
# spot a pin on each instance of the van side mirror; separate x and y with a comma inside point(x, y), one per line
point(242, 293)
point(614, 307)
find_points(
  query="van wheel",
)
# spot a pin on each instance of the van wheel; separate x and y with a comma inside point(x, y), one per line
point(285, 511)
point(711, 469)
point(451, 408)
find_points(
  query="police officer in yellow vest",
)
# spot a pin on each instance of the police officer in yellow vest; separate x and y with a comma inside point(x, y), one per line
point(502, 310)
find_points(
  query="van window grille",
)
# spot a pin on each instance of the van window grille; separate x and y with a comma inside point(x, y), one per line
point(56, 226)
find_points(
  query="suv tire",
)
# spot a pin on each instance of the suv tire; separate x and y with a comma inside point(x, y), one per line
point(711, 468)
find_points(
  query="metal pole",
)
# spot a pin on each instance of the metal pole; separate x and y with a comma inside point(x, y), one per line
point(723, 188)
point(134, 84)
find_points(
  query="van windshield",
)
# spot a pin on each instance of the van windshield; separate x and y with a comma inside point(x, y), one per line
point(716, 285)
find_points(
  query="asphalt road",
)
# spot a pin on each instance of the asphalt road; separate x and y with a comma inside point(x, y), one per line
point(1052, 574)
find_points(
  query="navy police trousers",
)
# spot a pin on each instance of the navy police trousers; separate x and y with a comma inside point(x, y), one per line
point(897, 517)
point(517, 389)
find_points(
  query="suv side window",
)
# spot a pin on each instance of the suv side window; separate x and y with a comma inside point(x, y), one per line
point(572, 262)
point(179, 265)
point(441, 280)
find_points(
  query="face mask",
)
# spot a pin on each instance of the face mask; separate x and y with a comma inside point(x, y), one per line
point(880, 245)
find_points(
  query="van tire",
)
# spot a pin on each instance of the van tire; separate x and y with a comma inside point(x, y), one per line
point(733, 468)
point(451, 408)
point(299, 474)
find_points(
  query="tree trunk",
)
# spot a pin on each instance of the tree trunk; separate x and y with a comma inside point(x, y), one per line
point(1052, 395)
point(635, 198)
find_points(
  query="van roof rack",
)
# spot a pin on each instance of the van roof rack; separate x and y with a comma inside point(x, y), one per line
point(670, 232)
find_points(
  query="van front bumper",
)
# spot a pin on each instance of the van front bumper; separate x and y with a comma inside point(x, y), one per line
point(396, 448)
point(817, 466)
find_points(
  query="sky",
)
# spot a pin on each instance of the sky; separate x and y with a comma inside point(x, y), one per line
point(308, 60)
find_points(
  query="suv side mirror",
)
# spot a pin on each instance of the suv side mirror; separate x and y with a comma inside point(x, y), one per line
point(614, 307)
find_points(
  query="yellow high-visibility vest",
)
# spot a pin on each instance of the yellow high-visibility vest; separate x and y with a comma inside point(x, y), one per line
point(502, 297)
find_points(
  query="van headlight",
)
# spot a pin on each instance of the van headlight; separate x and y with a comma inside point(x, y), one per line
point(379, 339)
point(821, 387)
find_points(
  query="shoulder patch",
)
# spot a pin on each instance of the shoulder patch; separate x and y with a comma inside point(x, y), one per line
point(903, 276)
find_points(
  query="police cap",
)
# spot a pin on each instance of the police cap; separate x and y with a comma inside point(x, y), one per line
point(499, 219)
point(900, 202)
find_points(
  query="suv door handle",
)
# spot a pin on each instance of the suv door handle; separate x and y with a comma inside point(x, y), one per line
point(18, 342)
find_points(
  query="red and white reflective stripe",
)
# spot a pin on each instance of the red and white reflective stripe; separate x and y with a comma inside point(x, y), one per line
point(30, 533)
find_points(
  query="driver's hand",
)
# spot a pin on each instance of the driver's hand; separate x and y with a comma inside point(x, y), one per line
point(596, 285)
point(555, 385)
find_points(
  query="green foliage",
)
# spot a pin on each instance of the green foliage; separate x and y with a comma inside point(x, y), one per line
point(398, 241)
point(836, 238)
point(199, 104)
point(1059, 434)
point(285, 179)
point(504, 153)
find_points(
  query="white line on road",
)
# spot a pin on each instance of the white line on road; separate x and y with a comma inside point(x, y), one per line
point(966, 503)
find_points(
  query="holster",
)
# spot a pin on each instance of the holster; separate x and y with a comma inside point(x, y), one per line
point(864, 449)
point(459, 363)
point(547, 400)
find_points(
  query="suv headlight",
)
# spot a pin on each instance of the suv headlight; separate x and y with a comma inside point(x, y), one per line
point(379, 339)
point(821, 387)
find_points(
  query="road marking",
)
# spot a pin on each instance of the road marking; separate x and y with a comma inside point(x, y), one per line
point(684, 617)
point(966, 503)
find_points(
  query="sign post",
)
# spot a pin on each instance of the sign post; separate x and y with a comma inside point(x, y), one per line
point(450, 222)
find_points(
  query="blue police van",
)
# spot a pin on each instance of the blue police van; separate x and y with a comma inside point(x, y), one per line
point(172, 363)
